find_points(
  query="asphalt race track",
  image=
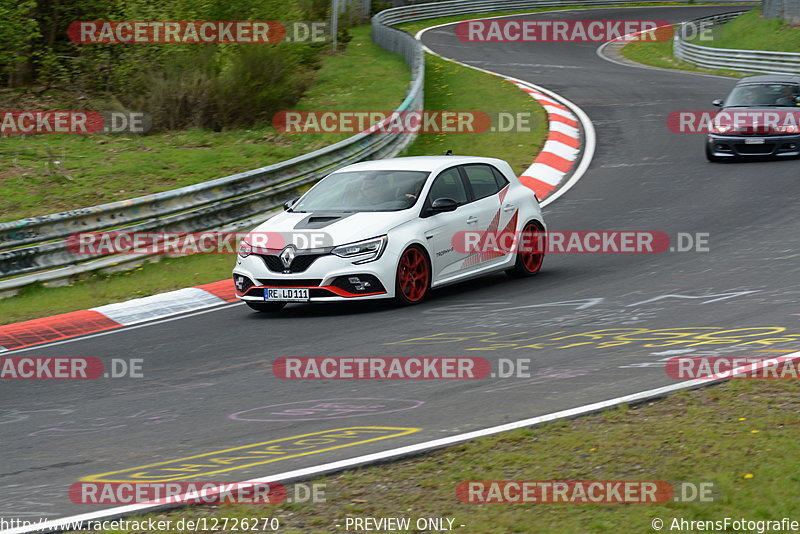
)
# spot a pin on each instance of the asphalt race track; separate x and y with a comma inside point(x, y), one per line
point(201, 369)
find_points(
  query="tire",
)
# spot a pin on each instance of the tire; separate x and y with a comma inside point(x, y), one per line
point(711, 157)
point(529, 263)
point(413, 280)
point(266, 307)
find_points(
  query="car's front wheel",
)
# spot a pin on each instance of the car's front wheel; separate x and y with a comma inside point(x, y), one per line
point(413, 276)
point(531, 256)
point(266, 307)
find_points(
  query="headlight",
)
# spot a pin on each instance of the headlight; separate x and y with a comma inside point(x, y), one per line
point(722, 128)
point(788, 129)
point(245, 249)
point(364, 251)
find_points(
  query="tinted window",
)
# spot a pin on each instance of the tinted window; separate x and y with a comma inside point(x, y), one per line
point(501, 180)
point(448, 185)
point(764, 94)
point(482, 180)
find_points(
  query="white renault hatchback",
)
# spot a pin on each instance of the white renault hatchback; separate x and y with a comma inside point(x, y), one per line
point(389, 229)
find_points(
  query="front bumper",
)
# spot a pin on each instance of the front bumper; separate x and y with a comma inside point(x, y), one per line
point(732, 146)
point(329, 278)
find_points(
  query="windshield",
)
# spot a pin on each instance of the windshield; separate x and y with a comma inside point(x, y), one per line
point(383, 190)
point(764, 94)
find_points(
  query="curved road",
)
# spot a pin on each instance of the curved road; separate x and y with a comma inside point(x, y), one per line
point(201, 369)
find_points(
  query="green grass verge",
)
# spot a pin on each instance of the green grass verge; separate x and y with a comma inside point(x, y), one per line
point(49, 173)
point(740, 435)
point(660, 54)
point(753, 32)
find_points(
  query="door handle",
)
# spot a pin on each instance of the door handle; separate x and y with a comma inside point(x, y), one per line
point(429, 235)
point(472, 220)
point(509, 207)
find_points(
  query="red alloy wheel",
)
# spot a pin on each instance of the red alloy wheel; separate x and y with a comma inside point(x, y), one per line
point(533, 257)
point(413, 275)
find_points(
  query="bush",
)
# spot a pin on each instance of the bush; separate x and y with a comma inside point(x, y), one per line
point(206, 88)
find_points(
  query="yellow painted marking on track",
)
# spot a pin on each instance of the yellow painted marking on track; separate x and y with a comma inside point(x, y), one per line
point(251, 455)
point(649, 338)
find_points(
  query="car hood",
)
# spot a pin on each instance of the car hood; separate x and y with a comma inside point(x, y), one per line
point(334, 227)
point(753, 120)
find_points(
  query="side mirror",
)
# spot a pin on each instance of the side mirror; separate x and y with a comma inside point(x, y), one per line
point(441, 205)
point(718, 102)
point(287, 206)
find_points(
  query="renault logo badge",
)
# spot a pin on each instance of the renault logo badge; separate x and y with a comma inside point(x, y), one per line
point(287, 256)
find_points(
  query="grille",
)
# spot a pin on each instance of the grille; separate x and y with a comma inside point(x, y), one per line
point(245, 282)
point(358, 283)
point(301, 262)
point(766, 148)
point(294, 282)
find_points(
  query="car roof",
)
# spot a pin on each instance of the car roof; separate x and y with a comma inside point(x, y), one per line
point(419, 163)
point(770, 78)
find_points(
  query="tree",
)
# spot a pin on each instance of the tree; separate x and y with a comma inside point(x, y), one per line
point(788, 10)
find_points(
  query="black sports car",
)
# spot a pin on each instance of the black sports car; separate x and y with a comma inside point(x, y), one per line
point(760, 117)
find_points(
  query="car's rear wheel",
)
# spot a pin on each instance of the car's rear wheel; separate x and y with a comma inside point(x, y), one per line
point(531, 256)
point(266, 307)
point(413, 276)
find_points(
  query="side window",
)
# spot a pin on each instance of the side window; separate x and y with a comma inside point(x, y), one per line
point(481, 179)
point(501, 180)
point(448, 185)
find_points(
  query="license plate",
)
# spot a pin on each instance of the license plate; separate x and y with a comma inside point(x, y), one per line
point(286, 294)
point(754, 141)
